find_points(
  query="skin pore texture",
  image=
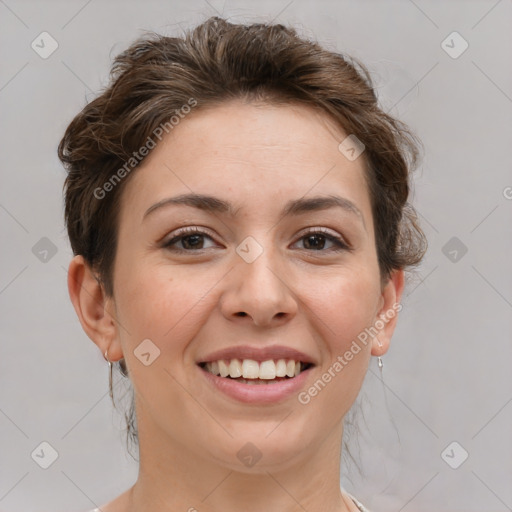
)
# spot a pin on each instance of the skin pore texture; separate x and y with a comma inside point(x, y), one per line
point(206, 297)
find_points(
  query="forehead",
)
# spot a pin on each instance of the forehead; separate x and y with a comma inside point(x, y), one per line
point(251, 152)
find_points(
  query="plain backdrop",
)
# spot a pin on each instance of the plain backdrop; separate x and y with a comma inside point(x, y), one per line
point(435, 434)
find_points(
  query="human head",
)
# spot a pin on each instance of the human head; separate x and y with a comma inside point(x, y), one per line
point(161, 77)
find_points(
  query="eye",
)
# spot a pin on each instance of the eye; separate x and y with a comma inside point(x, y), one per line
point(315, 240)
point(191, 239)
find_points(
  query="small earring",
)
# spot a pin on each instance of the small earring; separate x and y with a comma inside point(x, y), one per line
point(380, 363)
point(109, 375)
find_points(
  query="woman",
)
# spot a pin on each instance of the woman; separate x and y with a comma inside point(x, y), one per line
point(237, 205)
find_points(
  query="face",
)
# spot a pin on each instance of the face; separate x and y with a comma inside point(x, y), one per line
point(258, 272)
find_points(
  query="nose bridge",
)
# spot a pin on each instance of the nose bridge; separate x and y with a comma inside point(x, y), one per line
point(258, 287)
point(259, 266)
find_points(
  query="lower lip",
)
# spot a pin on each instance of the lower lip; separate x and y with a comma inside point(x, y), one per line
point(258, 393)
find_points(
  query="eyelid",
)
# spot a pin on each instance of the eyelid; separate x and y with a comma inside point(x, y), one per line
point(318, 229)
point(188, 230)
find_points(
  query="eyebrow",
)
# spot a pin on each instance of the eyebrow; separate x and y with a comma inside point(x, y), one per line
point(294, 207)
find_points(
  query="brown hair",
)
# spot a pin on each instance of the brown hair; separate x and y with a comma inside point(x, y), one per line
point(217, 61)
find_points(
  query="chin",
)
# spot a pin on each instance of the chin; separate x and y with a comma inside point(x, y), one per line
point(260, 448)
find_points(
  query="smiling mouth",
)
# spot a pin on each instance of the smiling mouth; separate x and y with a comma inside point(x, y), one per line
point(249, 371)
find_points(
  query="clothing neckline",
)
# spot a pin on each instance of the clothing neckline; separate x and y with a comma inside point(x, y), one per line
point(358, 504)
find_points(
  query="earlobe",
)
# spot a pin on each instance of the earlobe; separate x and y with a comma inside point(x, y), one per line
point(90, 303)
point(386, 319)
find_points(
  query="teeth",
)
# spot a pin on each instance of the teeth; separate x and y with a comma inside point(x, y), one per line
point(268, 370)
point(235, 368)
point(223, 368)
point(250, 369)
point(281, 368)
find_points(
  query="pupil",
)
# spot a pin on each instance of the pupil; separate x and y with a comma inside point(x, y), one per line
point(194, 244)
point(316, 245)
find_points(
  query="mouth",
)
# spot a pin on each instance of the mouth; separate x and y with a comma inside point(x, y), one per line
point(256, 375)
point(252, 372)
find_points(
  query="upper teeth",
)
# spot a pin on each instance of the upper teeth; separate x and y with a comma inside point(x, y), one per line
point(250, 369)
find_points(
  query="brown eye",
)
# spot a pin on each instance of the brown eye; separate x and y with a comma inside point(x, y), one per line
point(191, 239)
point(316, 241)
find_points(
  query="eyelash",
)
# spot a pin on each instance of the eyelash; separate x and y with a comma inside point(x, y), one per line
point(190, 231)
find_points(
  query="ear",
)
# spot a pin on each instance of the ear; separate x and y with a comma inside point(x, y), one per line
point(94, 309)
point(386, 319)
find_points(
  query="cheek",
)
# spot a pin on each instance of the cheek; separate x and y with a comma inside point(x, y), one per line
point(159, 307)
point(164, 304)
point(345, 306)
point(344, 310)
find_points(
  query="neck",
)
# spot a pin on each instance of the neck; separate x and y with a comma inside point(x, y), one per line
point(171, 477)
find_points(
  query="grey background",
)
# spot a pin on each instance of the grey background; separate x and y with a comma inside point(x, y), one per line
point(447, 376)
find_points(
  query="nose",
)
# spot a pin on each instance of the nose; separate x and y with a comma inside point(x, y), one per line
point(259, 292)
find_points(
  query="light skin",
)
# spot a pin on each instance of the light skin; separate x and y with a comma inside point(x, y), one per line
point(299, 292)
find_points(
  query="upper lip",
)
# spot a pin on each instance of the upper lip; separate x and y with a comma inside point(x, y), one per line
point(259, 354)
